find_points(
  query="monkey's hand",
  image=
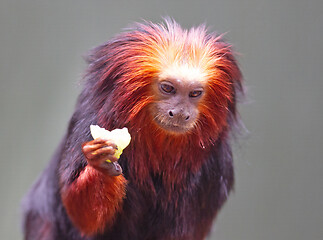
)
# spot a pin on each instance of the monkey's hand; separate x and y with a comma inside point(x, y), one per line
point(98, 191)
point(98, 151)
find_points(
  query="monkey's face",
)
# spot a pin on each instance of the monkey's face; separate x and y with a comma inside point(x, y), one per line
point(177, 100)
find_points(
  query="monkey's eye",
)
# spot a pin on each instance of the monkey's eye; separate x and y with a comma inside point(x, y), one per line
point(167, 88)
point(195, 93)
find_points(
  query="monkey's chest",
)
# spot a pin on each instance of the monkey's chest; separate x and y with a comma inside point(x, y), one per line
point(178, 212)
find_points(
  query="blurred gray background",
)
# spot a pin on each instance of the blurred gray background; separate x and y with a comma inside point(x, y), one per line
point(279, 180)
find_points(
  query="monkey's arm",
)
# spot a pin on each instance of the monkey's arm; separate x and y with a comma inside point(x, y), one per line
point(94, 197)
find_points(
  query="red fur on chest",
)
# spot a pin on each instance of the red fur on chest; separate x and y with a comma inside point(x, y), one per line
point(93, 199)
point(153, 151)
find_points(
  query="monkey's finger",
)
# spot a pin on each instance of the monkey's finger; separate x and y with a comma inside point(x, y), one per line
point(88, 151)
point(101, 159)
point(109, 158)
point(106, 142)
point(104, 151)
point(111, 143)
point(89, 148)
point(113, 158)
point(102, 155)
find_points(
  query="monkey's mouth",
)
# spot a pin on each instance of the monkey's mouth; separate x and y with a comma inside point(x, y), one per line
point(173, 127)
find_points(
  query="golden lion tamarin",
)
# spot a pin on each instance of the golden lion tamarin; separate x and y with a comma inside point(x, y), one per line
point(176, 92)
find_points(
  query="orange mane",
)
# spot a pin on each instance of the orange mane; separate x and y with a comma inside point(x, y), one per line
point(124, 70)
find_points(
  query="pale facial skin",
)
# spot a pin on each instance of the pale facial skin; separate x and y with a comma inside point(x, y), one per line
point(177, 100)
point(178, 91)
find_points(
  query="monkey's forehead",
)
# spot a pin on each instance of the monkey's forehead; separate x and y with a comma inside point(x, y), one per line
point(184, 71)
point(182, 55)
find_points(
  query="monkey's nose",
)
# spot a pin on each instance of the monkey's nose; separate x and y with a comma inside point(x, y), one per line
point(179, 115)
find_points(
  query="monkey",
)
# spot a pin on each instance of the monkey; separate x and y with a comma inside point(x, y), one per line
point(176, 91)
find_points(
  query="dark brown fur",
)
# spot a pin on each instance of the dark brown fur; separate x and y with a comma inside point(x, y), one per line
point(176, 184)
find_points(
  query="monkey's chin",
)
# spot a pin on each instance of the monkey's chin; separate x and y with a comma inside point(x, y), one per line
point(174, 128)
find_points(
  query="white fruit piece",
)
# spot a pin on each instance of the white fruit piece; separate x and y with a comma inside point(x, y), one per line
point(120, 137)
